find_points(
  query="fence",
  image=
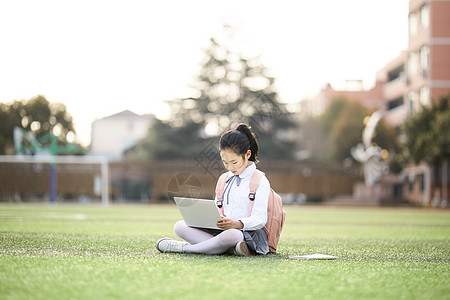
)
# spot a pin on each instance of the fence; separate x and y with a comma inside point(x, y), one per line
point(159, 181)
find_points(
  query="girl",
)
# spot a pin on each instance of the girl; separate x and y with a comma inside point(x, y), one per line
point(241, 234)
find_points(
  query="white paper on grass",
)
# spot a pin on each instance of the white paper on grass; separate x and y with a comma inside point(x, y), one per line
point(313, 256)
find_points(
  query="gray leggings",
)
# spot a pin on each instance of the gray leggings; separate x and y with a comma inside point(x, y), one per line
point(203, 242)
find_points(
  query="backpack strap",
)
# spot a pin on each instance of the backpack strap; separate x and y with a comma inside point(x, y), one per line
point(220, 186)
point(254, 183)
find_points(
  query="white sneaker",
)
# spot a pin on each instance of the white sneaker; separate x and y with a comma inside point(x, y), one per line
point(170, 245)
point(242, 249)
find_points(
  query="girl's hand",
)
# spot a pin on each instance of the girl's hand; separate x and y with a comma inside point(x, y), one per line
point(227, 223)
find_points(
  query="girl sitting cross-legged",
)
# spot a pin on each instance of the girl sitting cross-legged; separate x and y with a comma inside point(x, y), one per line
point(242, 234)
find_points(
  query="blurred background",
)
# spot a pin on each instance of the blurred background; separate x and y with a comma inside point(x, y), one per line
point(124, 101)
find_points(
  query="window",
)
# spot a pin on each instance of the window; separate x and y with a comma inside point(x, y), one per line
point(412, 20)
point(395, 73)
point(424, 96)
point(425, 16)
point(424, 60)
point(412, 99)
point(412, 64)
point(395, 103)
point(422, 183)
point(411, 187)
point(411, 181)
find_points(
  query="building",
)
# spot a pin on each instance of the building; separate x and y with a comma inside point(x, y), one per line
point(422, 72)
point(428, 64)
point(418, 76)
point(372, 99)
point(427, 71)
point(113, 135)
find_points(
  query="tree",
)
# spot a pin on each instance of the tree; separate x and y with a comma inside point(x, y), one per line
point(347, 129)
point(314, 141)
point(340, 128)
point(37, 115)
point(166, 142)
point(428, 137)
point(42, 117)
point(231, 89)
point(427, 134)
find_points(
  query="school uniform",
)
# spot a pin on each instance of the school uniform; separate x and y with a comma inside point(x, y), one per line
point(236, 205)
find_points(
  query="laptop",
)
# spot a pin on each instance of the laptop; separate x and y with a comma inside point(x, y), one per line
point(201, 213)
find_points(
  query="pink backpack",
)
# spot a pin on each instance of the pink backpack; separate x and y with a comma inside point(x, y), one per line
point(275, 212)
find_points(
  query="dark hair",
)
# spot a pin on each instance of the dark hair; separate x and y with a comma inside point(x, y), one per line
point(240, 141)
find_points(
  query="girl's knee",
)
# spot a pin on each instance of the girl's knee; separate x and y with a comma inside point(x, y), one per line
point(233, 236)
point(179, 227)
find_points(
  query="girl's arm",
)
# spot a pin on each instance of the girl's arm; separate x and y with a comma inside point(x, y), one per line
point(227, 223)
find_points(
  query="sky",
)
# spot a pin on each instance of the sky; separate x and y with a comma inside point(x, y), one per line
point(100, 57)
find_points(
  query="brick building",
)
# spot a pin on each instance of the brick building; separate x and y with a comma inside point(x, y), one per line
point(418, 76)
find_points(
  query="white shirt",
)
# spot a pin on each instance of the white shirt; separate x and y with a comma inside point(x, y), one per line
point(236, 202)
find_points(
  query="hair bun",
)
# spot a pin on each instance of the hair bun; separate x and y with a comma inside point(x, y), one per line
point(245, 129)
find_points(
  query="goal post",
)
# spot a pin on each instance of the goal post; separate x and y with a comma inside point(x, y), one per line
point(69, 159)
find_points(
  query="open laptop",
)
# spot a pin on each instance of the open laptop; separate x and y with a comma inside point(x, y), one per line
point(201, 213)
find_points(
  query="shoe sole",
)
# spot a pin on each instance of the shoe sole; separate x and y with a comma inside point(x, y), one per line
point(242, 249)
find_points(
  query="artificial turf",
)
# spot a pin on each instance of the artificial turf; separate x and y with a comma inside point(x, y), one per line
point(97, 252)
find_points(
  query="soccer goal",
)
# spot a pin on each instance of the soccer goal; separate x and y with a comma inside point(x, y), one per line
point(40, 176)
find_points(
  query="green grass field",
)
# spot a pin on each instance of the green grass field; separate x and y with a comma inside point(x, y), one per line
point(94, 252)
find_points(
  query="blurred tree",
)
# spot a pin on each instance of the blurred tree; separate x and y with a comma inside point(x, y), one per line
point(428, 137)
point(341, 129)
point(427, 133)
point(347, 129)
point(233, 89)
point(10, 116)
point(334, 112)
point(164, 141)
point(341, 126)
point(314, 141)
point(42, 117)
point(37, 115)
point(388, 138)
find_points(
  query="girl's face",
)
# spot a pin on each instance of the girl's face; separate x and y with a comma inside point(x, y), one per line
point(235, 163)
